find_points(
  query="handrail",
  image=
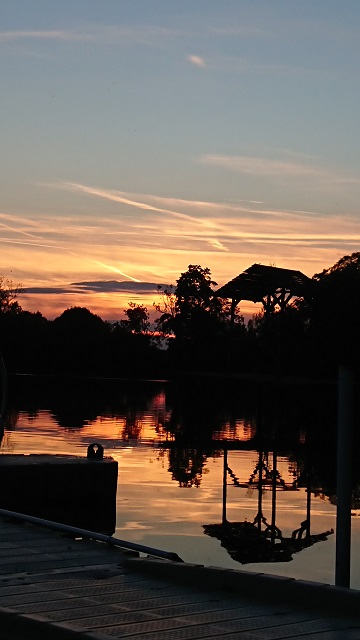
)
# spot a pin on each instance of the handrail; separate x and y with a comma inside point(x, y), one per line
point(92, 535)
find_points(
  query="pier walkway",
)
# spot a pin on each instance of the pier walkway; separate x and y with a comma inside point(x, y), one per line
point(56, 587)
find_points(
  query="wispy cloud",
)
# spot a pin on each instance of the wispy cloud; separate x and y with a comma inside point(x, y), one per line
point(273, 168)
point(240, 66)
point(16, 230)
point(8, 36)
point(239, 31)
point(107, 34)
point(121, 197)
point(199, 212)
point(196, 60)
point(99, 286)
point(138, 202)
point(115, 270)
point(149, 238)
point(19, 224)
point(63, 233)
point(269, 26)
point(116, 285)
point(218, 245)
point(261, 166)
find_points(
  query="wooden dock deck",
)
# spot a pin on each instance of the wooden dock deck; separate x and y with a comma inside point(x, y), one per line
point(54, 586)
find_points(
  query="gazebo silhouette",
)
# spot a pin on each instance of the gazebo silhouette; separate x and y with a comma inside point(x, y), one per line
point(272, 286)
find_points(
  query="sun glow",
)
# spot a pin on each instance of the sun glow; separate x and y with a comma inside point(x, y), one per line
point(157, 244)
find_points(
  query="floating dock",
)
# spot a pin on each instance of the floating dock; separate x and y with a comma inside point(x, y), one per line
point(76, 490)
point(53, 585)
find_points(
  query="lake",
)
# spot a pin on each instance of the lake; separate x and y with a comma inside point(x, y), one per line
point(195, 454)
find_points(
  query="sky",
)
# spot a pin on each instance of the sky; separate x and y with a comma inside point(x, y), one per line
point(139, 137)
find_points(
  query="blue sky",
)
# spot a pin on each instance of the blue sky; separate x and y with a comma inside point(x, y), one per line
point(141, 136)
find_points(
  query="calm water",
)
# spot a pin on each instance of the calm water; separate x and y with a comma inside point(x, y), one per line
point(169, 440)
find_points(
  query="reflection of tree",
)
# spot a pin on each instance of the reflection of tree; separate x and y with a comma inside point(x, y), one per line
point(186, 466)
point(132, 427)
point(77, 402)
point(355, 498)
point(300, 418)
point(152, 415)
point(8, 415)
point(202, 408)
point(10, 419)
point(7, 425)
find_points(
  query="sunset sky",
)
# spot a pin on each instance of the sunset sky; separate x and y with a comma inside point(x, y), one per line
point(141, 136)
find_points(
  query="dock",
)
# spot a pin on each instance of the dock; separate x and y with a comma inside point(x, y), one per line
point(54, 585)
point(79, 490)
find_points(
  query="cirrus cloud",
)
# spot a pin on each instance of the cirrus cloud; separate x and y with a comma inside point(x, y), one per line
point(273, 168)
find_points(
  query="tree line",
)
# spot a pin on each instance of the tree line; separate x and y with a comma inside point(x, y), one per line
point(193, 332)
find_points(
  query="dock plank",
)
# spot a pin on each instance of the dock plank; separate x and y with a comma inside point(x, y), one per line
point(54, 586)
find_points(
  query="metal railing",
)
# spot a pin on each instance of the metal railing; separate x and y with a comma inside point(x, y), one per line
point(92, 535)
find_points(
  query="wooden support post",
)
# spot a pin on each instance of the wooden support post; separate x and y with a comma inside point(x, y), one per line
point(273, 501)
point(234, 303)
point(224, 486)
point(344, 476)
point(3, 395)
point(308, 509)
point(260, 490)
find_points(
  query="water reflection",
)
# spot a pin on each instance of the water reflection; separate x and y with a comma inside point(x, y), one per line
point(259, 540)
point(193, 420)
point(179, 437)
point(186, 465)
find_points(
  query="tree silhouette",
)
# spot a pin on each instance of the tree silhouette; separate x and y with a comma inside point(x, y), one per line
point(309, 337)
point(80, 342)
point(23, 334)
point(167, 308)
point(335, 313)
point(195, 316)
point(8, 296)
point(137, 319)
point(194, 290)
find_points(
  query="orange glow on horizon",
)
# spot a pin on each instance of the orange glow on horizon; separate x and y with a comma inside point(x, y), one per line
point(110, 306)
point(153, 239)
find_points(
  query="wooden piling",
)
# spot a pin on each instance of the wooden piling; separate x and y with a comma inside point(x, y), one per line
point(344, 476)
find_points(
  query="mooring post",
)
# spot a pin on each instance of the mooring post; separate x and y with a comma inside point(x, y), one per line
point(344, 476)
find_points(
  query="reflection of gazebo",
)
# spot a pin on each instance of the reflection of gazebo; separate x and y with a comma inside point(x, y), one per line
point(272, 286)
point(259, 540)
